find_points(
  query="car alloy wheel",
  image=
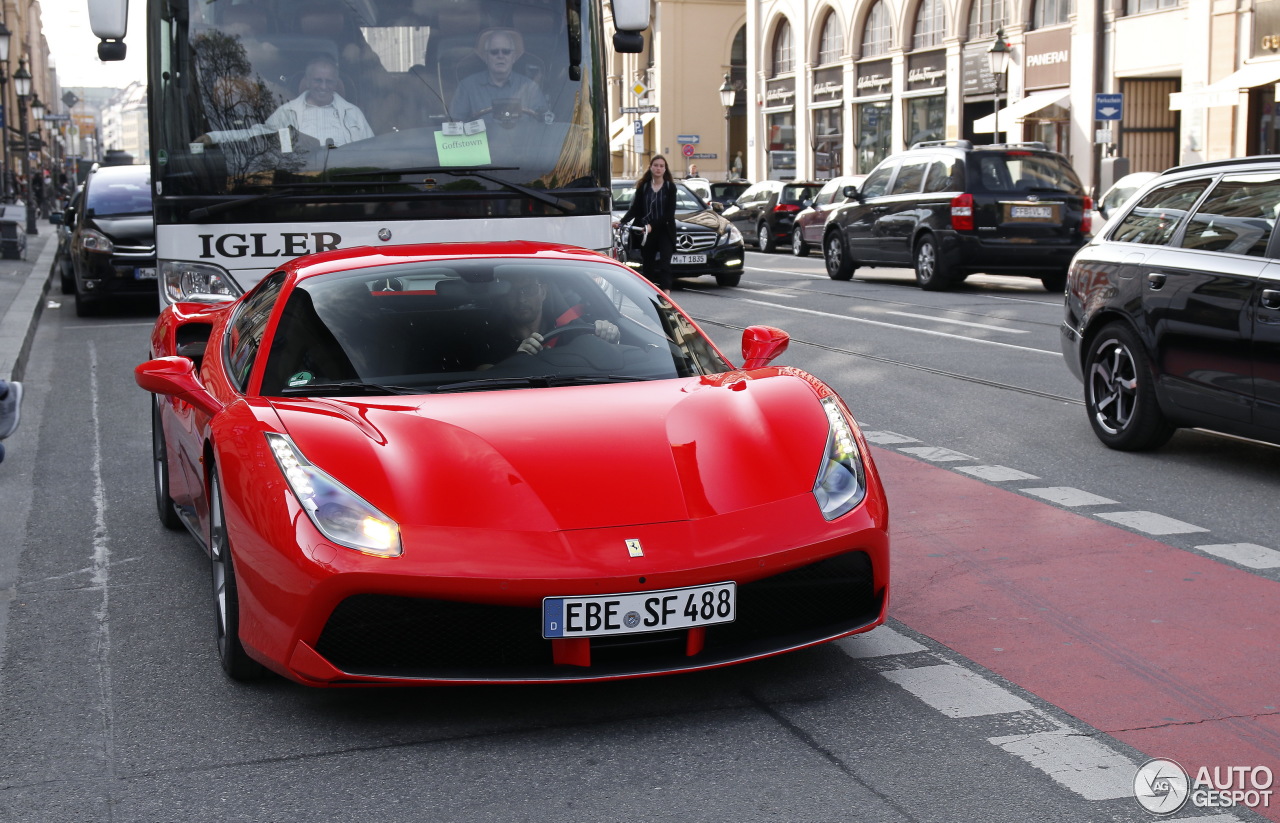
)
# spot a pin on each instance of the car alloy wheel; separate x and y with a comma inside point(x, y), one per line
point(798, 247)
point(932, 271)
point(1120, 393)
point(160, 465)
point(764, 238)
point(226, 594)
point(839, 264)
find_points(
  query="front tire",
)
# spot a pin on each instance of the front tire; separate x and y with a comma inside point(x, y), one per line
point(835, 254)
point(1119, 392)
point(933, 272)
point(798, 247)
point(85, 306)
point(728, 280)
point(226, 593)
point(160, 470)
point(765, 239)
point(1056, 282)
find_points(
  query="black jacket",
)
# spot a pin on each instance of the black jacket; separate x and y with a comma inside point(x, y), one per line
point(640, 208)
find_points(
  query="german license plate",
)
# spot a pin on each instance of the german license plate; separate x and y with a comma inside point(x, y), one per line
point(1031, 212)
point(639, 612)
point(688, 259)
point(148, 273)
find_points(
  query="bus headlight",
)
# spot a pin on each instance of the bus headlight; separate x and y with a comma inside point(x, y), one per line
point(197, 282)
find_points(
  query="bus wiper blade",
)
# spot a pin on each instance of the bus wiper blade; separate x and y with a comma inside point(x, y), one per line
point(227, 205)
point(483, 174)
point(348, 387)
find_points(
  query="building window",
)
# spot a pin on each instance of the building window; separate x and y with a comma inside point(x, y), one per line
point(985, 16)
point(1140, 6)
point(828, 138)
point(926, 119)
point(1052, 13)
point(877, 34)
point(873, 138)
point(783, 55)
point(931, 24)
point(831, 43)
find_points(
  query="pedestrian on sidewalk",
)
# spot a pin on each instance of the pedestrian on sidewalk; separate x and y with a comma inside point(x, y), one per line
point(10, 408)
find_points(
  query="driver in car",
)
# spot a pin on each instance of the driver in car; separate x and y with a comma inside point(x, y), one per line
point(528, 326)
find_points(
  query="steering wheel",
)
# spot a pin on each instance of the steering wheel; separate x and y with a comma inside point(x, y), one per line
point(569, 331)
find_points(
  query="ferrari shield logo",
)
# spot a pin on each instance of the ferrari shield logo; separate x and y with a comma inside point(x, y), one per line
point(633, 548)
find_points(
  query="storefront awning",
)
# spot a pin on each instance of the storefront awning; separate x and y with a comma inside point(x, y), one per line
point(1226, 92)
point(619, 139)
point(1011, 114)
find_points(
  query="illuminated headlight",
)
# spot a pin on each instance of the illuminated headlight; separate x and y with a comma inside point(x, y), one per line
point(732, 236)
point(339, 513)
point(842, 481)
point(197, 282)
point(95, 241)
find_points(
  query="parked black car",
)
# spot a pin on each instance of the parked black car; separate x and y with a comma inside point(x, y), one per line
point(765, 212)
point(113, 238)
point(706, 243)
point(728, 191)
point(951, 209)
point(65, 221)
point(1173, 311)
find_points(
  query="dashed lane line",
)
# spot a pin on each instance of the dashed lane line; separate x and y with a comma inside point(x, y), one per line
point(1069, 497)
point(1246, 554)
point(957, 322)
point(1077, 761)
point(1151, 523)
point(956, 691)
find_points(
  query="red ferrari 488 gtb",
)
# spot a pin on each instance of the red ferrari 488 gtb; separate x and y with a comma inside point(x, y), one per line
point(513, 462)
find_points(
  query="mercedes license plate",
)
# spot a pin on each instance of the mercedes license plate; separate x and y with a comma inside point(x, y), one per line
point(639, 612)
point(1031, 212)
point(688, 259)
point(148, 273)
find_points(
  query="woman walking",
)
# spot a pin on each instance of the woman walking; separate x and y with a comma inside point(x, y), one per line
point(654, 208)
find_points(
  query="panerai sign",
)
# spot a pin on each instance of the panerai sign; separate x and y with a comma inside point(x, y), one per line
point(1048, 58)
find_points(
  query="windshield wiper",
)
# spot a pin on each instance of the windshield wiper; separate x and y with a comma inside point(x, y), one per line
point(227, 205)
point(348, 387)
point(540, 381)
point(541, 196)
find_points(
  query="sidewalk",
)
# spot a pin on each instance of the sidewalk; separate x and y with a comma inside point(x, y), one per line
point(23, 286)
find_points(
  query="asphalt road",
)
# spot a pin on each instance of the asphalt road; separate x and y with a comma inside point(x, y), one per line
point(992, 696)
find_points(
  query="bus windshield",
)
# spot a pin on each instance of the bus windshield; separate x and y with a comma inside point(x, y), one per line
point(382, 102)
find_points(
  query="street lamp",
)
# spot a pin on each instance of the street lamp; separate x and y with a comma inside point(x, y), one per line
point(37, 113)
point(22, 85)
point(998, 59)
point(727, 95)
point(5, 34)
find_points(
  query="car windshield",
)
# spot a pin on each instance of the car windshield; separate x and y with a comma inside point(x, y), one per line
point(625, 192)
point(456, 325)
point(112, 194)
point(1025, 171)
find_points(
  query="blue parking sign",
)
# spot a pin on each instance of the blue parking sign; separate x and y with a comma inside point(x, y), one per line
point(1108, 106)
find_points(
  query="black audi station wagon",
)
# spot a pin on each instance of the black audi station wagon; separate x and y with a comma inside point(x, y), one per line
point(950, 209)
point(1173, 312)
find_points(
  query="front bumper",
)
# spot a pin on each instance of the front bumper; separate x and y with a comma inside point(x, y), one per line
point(101, 274)
point(1071, 342)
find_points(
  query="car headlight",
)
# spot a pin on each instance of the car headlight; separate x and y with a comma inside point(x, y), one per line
point(842, 480)
point(732, 236)
point(197, 282)
point(95, 241)
point(339, 513)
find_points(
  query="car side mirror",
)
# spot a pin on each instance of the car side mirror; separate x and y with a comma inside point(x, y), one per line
point(806, 203)
point(176, 377)
point(851, 193)
point(761, 344)
point(717, 207)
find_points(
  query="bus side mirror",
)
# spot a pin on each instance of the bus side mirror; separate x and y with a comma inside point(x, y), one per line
point(109, 20)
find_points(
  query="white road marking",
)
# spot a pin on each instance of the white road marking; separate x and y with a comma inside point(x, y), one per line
point(101, 560)
point(887, 325)
point(1246, 554)
point(1078, 762)
point(1067, 496)
point(958, 322)
point(957, 692)
point(937, 454)
point(881, 641)
point(1151, 523)
point(882, 438)
point(996, 473)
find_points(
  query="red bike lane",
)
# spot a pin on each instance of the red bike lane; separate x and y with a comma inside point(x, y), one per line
point(1166, 650)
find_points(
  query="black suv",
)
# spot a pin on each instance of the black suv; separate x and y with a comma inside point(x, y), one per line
point(765, 212)
point(1173, 311)
point(951, 209)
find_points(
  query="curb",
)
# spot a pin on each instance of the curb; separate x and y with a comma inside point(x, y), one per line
point(18, 326)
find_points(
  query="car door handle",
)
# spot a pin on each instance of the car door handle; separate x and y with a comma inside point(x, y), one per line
point(1155, 280)
point(1271, 298)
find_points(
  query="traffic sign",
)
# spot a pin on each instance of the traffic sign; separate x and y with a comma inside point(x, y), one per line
point(639, 89)
point(688, 150)
point(69, 99)
point(638, 127)
point(1108, 106)
point(639, 109)
point(688, 138)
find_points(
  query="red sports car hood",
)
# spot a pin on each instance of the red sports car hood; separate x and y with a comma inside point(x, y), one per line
point(571, 458)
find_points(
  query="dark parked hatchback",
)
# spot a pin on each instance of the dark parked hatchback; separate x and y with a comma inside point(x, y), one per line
point(1173, 312)
point(766, 212)
point(950, 209)
point(113, 239)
